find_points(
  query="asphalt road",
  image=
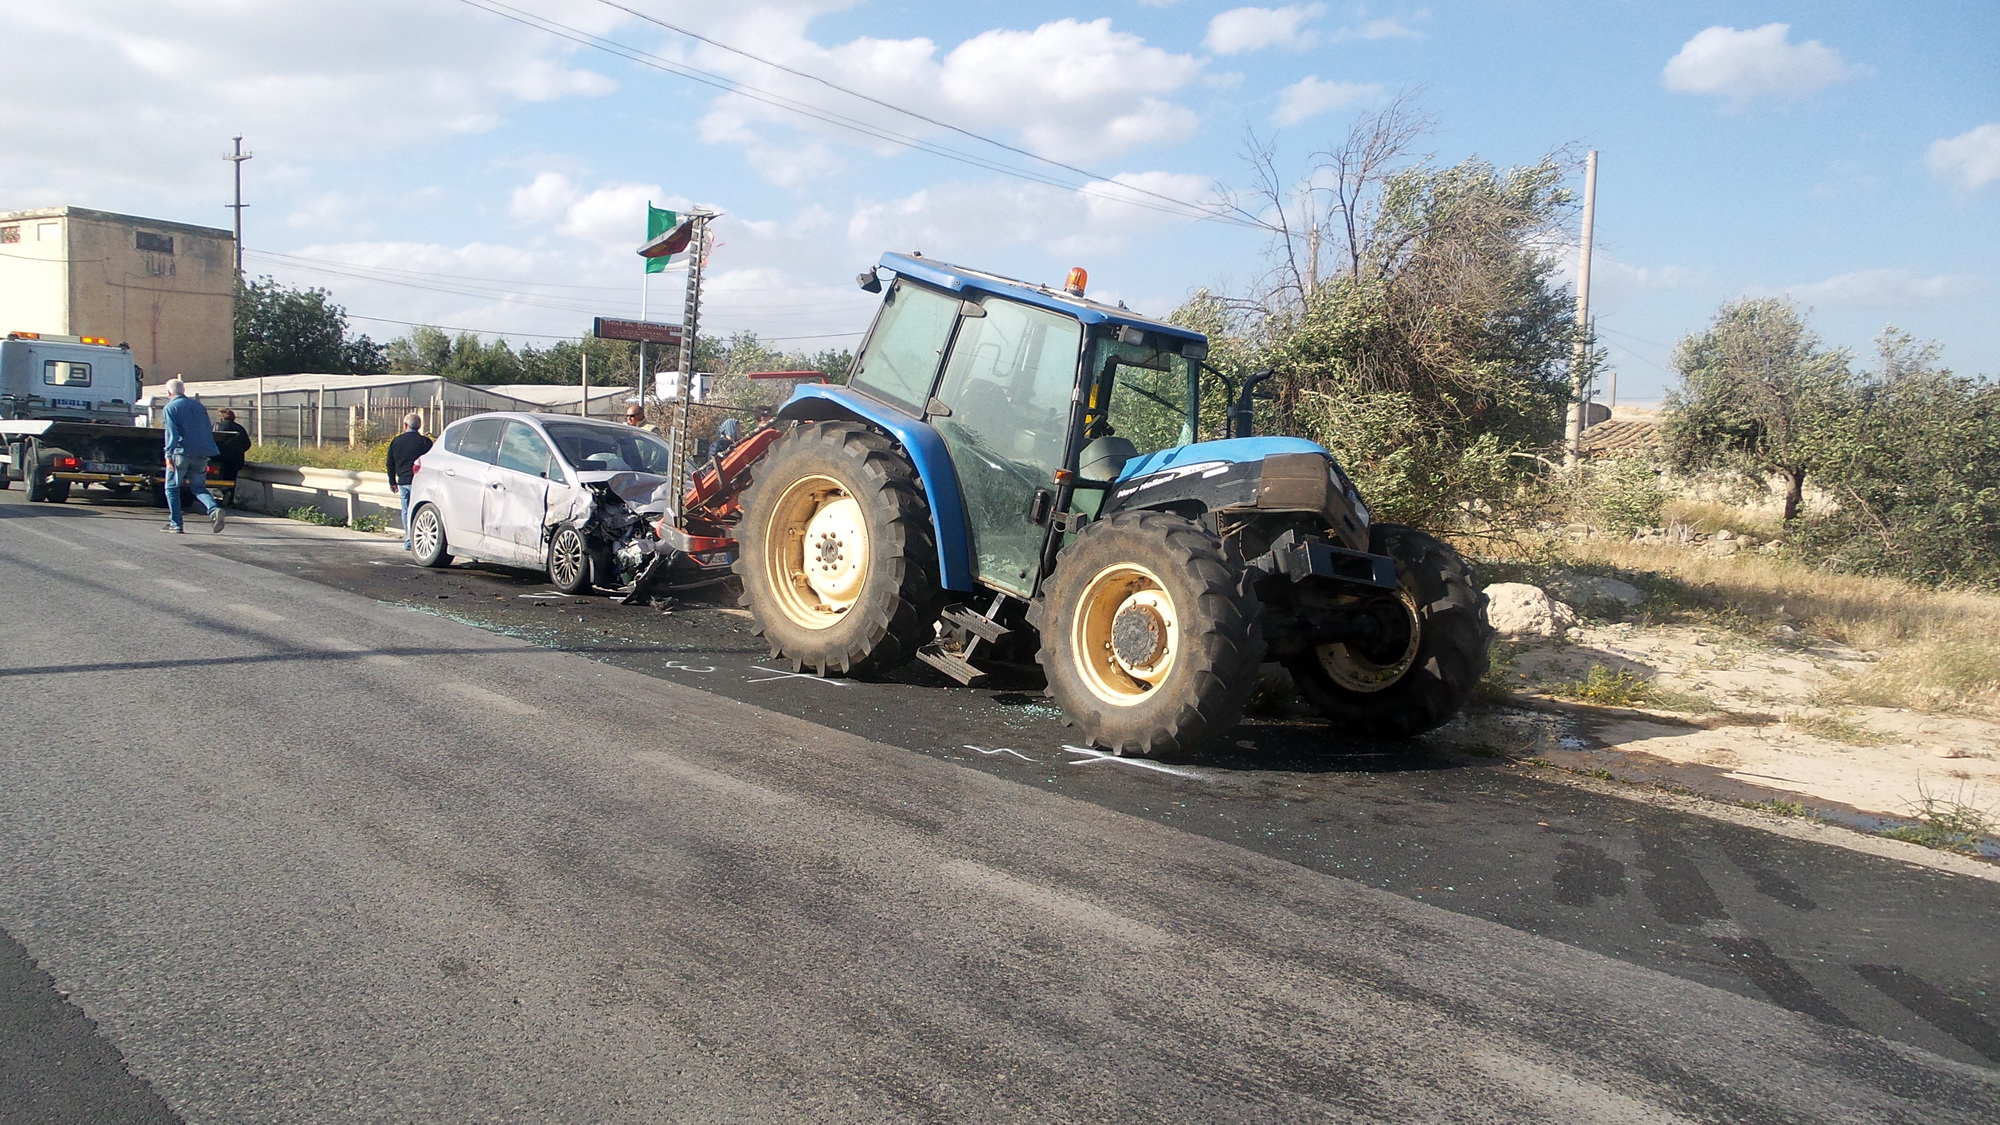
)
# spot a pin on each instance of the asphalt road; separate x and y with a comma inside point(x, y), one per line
point(275, 847)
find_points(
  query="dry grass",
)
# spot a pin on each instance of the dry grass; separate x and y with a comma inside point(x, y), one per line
point(1709, 517)
point(1834, 728)
point(1938, 650)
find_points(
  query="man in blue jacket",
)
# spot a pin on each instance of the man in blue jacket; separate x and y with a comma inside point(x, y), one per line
point(190, 443)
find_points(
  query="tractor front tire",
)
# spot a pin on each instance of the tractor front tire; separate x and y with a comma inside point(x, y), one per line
point(1150, 641)
point(837, 558)
point(1429, 658)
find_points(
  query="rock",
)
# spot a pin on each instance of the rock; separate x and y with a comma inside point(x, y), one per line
point(1516, 609)
point(1723, 546)
point(1771, 548)
point(1586, 590)
point(1724, 536)
point(1949, 752)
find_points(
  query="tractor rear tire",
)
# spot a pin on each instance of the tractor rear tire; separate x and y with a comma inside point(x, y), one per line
point(1150, 640)
point(427, 541)
point(838, 561)
point(1430, 658)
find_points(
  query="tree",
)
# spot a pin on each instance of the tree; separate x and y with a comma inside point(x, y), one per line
point(285, 331)
point(1413, 312)
point(1914, 472)
point(1759, 396)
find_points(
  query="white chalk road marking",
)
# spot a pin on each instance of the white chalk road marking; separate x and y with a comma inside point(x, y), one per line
point(120, 564)
point(183, 587)
point(780, 673)
point(255, 612)
point(1002, 750)
point(1093, 756)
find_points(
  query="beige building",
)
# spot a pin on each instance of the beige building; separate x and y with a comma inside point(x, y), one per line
point(167, 289)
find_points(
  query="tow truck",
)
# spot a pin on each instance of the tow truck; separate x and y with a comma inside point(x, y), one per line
point(70, 418)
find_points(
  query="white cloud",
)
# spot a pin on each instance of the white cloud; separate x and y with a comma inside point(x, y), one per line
point(1067, 89)
point(1970, 160)
point(1252, 29)
point(975, 221)
point(1311, 96)
point(1388, 27)
point(1883, 289)
point(1761, 62)
point(154, 90)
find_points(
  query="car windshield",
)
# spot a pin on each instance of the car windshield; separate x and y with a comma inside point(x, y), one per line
point(590, 448)
point(1155, 398)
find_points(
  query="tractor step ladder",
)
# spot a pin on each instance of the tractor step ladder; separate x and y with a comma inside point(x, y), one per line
point(965, 630)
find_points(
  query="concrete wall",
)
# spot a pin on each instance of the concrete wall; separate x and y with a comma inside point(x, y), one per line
point(34, 273)
point(176, 308)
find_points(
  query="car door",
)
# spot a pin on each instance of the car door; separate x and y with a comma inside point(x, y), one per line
point(469, 449)
point(517, 494)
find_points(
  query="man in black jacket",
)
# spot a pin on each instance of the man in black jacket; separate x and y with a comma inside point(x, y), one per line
point(403, 453)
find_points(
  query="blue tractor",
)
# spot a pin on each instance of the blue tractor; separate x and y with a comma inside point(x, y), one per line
point(1015, 474)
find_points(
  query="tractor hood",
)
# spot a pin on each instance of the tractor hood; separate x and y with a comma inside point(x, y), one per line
point(1208, 454)
point(1247, 476)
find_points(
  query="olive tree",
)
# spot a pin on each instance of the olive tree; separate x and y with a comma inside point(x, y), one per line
point(1414, 313)
point(1759, 397)
point(1914, 472)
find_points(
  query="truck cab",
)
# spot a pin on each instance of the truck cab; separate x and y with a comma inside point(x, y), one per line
point(67, 379)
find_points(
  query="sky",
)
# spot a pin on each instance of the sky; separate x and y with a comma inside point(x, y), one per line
point(485, 164)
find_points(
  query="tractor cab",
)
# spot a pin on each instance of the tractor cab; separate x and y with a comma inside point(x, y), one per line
point(1018, 381)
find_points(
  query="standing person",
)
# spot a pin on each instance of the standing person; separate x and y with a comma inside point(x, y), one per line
point(403, 453)
point(189, 444)
point(635, 415)
point(230, 460)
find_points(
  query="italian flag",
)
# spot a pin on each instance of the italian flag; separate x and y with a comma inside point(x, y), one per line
point(659, 250)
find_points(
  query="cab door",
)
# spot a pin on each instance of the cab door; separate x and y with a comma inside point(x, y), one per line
point(517, 495)
point(1007, 386)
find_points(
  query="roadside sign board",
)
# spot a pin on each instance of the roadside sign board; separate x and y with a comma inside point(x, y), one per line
point(652, 332)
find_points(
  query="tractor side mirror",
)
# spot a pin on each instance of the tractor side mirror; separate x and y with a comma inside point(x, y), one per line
point(869, 280)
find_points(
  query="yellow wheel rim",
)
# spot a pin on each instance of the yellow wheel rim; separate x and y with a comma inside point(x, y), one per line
point(816, 551)
point(1365, 672)
point(1125, 634)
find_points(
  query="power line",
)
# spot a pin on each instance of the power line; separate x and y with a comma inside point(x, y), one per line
point(831, 85)
point(1179, 208)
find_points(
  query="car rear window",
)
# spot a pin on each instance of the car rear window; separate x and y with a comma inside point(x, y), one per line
point(478, 439)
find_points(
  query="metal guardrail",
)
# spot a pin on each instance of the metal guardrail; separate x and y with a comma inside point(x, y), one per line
point(341, 493)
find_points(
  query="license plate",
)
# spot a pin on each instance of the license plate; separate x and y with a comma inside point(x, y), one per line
point(105, 467)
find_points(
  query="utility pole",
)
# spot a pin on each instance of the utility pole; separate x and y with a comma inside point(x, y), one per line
point(1580, 358)
point(237, 158)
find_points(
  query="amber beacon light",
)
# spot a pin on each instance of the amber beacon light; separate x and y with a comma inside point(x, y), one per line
point(1078, 278)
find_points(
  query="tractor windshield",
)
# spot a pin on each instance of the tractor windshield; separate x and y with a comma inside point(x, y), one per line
point(1154, 395)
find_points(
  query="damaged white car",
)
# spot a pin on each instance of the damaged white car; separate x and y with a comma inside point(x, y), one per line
point(583, 500)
